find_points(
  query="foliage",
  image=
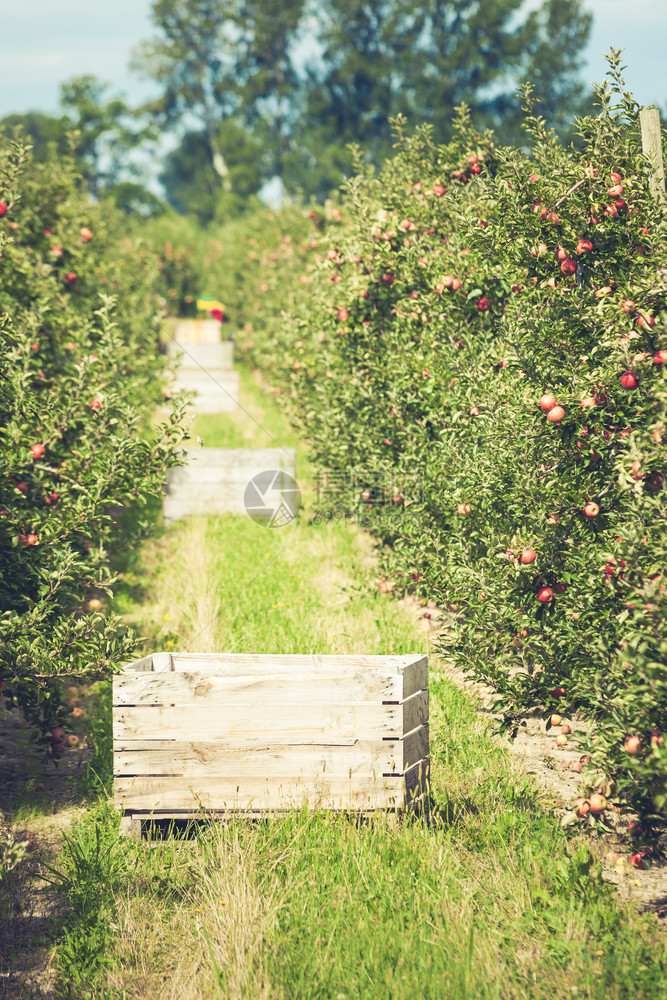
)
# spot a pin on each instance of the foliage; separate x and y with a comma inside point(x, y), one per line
point(192, 186)
point(450, 293)
point(79, 374)
point(304, 80)
point(98, 132)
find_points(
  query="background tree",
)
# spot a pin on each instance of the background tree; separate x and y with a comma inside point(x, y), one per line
point(218, 62)
point(191, 183)
point(99, 133)
point(387, 57)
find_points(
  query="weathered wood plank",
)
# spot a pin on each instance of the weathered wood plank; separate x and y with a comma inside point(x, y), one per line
point(215, 390)
point(652, 148)
point(223, 793)
point(185, 688)
point(415, 711)
point(202, 355)
point(333, 724)
point(196, 760)
point(194, 331)
point(214, 465)
point(413, 668)
point(214, 480)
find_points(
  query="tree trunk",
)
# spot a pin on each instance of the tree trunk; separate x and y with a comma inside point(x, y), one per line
point(219, 163)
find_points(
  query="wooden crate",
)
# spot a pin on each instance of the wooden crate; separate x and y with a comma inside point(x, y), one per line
point(216, 390)
point(194, 331)
point(258, 733)
point(202, 356)
point(214, 481)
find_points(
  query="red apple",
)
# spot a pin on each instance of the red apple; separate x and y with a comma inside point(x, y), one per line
point(37, 451)
point(456, 284)
point(561, 254)
point(70, 277)
point(628, 380)
point(598, 803)
point(646, 321)
point(637, 860)
point(483, 304)
point(51, 499)
point(628, 306)
point(660, 358)
point(568, 266)
point(29, 539)
point(439, 190)
point(583, 246)
point(582, 807)
point(96, 404)
point(343, 314)
point(545, 595)
point(527, 556)
point(547, 402)
point(58, 733)
point(555, 414)
point(591, 509)
point(632, 745)
point(463, 509)
point(3, 208)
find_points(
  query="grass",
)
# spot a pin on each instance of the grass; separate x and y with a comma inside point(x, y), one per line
point(490, 899)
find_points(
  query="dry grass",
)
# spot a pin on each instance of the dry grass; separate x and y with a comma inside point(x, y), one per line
point(183, 597)
point(212, 942)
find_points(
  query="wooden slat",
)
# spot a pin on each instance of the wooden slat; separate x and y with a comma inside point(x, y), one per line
point(413, 668)
point(185, 688)
point(216, 391)
point(224, 793)
point(215, 465)
point(202, 355)
point(415, 711)
point(333, 724)
point(195, 331)
point(417, 779)
point(208, 380)
point(196, 760)
point(649, 119)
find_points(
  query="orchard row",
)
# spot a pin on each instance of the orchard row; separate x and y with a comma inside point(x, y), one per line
point(490, 324)
point(79, 374)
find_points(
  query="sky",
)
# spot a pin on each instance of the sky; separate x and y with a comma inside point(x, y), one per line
point(45, 42)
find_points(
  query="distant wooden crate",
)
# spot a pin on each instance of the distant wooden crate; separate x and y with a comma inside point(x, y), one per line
point(202, 356)
point(256, 733)
point(216, 481)
point(215, 390)
point(194, 331)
